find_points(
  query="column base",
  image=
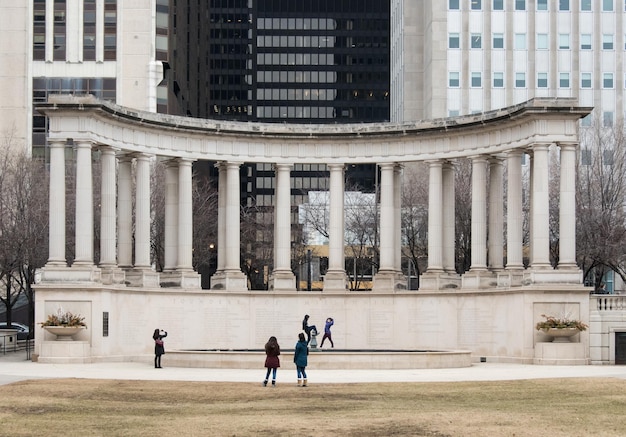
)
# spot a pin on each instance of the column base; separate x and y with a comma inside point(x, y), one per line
point(440, 281)
point(142, 278)
point(229, 280)
point(510, 278)
point(388, 281)
point(180, 279)
point(552, 276)
point(479, 279)
point(335, 282)
point(112, 275)
point(283, 281)
point(76, 273)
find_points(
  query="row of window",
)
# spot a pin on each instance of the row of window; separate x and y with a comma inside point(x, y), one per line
point(542, 80)
point(542, 5)
point(542, 41)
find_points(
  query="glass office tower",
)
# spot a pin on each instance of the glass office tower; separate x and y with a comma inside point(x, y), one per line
point(313, 61)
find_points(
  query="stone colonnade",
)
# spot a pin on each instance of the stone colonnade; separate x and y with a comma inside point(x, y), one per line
point(125, 252)
point(487, 221)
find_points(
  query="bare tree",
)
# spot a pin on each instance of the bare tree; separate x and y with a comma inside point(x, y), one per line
point(600, 195)
point(415, 216)
point(23, 224)
point(463, 215)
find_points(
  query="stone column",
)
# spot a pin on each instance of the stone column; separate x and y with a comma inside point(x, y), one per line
point(56, 217)
point(540, 208)
point(336, 278)
point(567, 208)
point(449, 214)
point(84, 205)
point(282, 277)
point(185, 217)
point(388, 279)
point(142, 274)
point(108, 213)
point(110, 272)
point(496, 214)
point(229, 275)
point(514, 253)
point(142, 213)
point(387, 256)
point(479, 214)
point(125, 213)
point(171, 216)
point(221, 216)
point(435, 217)
point(397, 211)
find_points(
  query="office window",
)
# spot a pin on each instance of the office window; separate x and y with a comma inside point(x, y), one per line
point(453, 4)
point(585, 41)
point(542, 5)
point(563, 5)
point(477, 41)
point(520, 5)
point(476, 79)
point(607, 119)
point(453, 79)
point(542, 80)
point(498, 41)
point(453, 41)
point(498, 5)
point(585, 5)
point(520, 41)
point(586, 121)
point(520, 80)
point(607, 5)
point(542, 41)
point(607, 42)
point(563, 80)
point(498, 80)
point(453, 113)
point(585, 80)
point(476, 5)
point(607, 80)
point(564, 41)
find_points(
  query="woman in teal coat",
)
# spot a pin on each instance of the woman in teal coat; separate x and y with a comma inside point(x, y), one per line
point(300, 359)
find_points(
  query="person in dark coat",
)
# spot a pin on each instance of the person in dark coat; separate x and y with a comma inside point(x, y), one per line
point(300, 359)
point(327, 334)
point(306, 328)
point(159, 348)
point(272, 362)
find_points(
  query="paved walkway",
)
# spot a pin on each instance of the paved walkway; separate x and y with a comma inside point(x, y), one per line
point(14, 367)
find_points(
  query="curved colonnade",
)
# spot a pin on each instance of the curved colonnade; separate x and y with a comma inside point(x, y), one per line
point(491, 140)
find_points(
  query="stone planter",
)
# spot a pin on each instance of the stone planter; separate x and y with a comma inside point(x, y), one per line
point(561, 335)
point(64, 333)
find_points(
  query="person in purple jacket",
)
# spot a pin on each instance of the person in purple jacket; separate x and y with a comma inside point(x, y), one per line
point(327, 334)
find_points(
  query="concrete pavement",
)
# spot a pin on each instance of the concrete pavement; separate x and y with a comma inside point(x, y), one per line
point(14, 367)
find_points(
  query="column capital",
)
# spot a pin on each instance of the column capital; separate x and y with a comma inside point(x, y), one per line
point(515, 152)
point(536, 147)
point(572, 146)
point(480, 158)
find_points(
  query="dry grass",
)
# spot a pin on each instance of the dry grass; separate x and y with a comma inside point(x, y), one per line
point(556, 407)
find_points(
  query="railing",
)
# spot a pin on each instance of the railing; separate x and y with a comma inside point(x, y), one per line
point(608, 302)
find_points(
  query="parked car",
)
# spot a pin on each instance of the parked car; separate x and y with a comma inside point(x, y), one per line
point(22, 330)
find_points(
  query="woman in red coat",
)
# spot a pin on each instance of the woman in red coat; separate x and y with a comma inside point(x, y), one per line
point(272, 351)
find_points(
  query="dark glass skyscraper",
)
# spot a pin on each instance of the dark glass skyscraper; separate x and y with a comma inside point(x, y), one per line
point(313, 61)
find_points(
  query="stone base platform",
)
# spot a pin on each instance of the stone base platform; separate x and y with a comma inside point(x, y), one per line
point(323, 359)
